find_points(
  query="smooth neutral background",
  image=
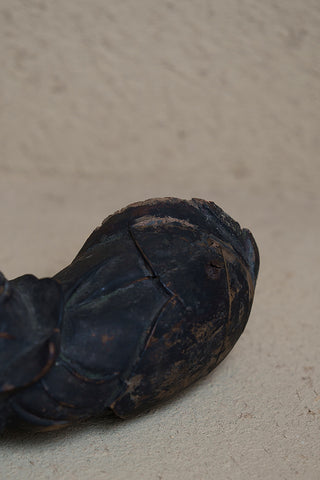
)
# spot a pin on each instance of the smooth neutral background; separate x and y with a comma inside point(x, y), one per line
point(103, 103)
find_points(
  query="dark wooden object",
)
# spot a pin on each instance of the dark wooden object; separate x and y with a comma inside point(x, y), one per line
point(156, 298)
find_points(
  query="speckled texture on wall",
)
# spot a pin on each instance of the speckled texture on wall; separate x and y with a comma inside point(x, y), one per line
point(105, 103)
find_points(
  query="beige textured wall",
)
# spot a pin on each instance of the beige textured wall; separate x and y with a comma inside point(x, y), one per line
point(127, 88)
point(106, 102)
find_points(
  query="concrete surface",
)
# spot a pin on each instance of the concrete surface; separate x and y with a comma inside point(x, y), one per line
point(105, 103)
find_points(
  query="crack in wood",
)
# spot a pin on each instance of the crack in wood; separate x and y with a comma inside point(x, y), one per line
point(150, 267)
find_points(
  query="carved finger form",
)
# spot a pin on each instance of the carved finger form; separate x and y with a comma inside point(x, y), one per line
point(155, 299)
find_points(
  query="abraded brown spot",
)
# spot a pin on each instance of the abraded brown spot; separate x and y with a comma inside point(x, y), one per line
point(203, 332)
point(134, 382)
point(56, 426)
point(6, 335)
point(213, 243)
point(213, 271)
point(151, 341)
point(7, 387)
point(153, 221)
point(132, 385)
point(143, 206)
point(106, 338)
point(232, 258)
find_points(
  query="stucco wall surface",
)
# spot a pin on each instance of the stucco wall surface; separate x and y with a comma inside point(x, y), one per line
point(103, 103)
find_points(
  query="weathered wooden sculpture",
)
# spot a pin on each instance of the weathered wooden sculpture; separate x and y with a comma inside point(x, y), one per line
point(156, 298)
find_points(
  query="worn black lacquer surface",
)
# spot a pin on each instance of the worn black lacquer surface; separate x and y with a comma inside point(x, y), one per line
point(155, 299)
